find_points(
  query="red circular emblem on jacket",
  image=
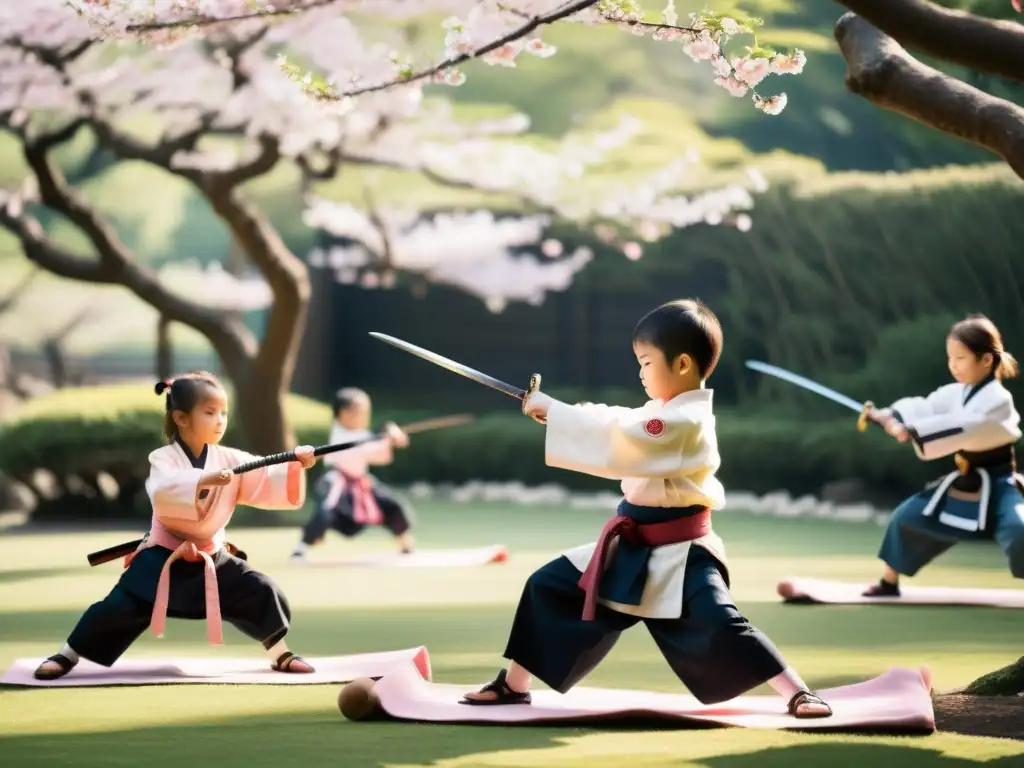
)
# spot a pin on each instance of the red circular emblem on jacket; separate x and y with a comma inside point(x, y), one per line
point(654, 427)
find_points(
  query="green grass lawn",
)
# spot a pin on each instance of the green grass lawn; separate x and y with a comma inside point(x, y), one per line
point(462, 615)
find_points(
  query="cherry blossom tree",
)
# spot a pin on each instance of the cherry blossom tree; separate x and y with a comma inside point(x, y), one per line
point(238, 87)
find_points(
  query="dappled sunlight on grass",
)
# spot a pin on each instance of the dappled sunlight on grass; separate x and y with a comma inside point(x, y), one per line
point(462, 616)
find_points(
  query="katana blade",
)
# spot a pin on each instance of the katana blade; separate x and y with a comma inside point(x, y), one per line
point(812, 386)
point(451, 365)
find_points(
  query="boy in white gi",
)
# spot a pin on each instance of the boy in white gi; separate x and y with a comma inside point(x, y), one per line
point(975, 419)
point(657, 561)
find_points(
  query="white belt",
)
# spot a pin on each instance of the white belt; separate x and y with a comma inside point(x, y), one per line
point(959, 522)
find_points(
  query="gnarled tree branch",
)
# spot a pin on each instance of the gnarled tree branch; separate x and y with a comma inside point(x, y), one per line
point(881, 70)
point(116, 264)
point(986, 45)
point(43, 252)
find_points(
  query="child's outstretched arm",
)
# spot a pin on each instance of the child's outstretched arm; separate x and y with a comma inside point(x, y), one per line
point(374, 452)
point(279, 486)
point(941, 434)
point(615, 443)
point(942, 400)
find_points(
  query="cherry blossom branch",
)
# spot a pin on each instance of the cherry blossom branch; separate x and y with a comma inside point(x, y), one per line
point(205, 21)
point(452, 61)
point(43, 251)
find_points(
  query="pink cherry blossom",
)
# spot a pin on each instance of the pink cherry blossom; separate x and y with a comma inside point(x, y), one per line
point(751, 70)
point(362, 103)
point(470, 26)
point(702, 47)
point(539, 48)
point(733, 85)
point(792, 64)
point(730, 26)
point(721, 65)
point(773, 105)
point(669, 15)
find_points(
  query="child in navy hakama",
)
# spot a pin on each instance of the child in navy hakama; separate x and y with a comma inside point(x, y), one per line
point(184, 567)
point(352, 498)
point(658, 560)
point(974, 419)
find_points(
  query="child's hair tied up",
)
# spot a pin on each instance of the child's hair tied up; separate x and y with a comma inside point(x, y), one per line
point(162, 386)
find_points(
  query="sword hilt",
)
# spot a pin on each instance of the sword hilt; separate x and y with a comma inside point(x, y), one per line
point(864, 420)
point(533, 387)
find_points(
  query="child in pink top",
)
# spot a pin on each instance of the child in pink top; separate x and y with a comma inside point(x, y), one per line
point(183, 568)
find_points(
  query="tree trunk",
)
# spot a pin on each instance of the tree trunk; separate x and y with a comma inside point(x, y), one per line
point(260, 406)
point(164, 350)
point(262, 380)
point(55, 359)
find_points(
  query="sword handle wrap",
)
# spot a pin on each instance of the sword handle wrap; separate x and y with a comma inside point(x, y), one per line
point(533, 387)
point(864, 420)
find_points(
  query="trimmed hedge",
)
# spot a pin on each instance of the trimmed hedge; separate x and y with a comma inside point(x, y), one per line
point(79, 434)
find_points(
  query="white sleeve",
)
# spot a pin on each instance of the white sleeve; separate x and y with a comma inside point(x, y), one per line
point(616, 443)
point(942, 400)
point(942, 434)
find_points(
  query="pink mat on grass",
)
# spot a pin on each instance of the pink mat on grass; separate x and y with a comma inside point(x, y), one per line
point(234, 671)
point(847, 593)
point(897, 701)
point(437, 558)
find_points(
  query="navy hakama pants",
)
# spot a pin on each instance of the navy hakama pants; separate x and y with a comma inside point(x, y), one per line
point(711, 647)
point(249, 600)
point(396, 511)
point(912, 540)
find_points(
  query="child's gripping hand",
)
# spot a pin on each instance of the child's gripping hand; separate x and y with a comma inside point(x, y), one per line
point(304, 455)
point(217, 477)
point(537, 405)
point(395, 434)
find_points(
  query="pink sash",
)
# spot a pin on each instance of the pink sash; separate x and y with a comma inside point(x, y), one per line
point(192, 553)
point(365, 509)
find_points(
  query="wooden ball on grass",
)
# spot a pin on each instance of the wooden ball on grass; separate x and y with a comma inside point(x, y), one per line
point(358, 700)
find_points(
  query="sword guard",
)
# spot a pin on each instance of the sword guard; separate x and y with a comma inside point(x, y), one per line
point(533, 387)
point(864, 420)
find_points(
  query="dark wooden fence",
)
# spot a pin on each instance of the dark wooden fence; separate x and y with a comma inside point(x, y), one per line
point(577, 340)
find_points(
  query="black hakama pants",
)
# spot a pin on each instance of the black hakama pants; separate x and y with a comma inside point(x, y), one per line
point(711, 647)
point(249, 601)
point(396, 512)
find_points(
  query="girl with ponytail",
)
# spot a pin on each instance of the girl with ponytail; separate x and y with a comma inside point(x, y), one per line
point(974, 420)
point(184, 567)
